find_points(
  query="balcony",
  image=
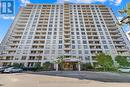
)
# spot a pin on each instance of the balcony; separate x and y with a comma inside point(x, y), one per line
point(67, 49)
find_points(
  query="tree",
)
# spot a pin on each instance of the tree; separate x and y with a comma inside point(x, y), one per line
point(17, 65)
point(59, 61)
point(122, 61)
point(105, 61)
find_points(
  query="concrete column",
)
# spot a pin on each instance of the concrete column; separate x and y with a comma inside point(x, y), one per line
point(56, 67)
point(41, 64)
point(79, 67)
point(26, 64)
point(1, 64)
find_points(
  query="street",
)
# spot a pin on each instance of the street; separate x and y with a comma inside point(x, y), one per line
point(64, 79)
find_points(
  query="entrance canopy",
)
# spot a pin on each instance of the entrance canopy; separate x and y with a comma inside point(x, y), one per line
point(71, 60)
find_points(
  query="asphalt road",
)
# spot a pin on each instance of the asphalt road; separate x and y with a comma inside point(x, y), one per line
point(99, 76)
point(65, 79)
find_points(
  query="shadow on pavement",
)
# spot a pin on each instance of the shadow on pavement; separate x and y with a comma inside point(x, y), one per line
point(1, 85)
point(88, 75)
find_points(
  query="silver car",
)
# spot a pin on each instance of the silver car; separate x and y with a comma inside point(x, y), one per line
point(3, 68)
point(125, 70)
point(12, 70)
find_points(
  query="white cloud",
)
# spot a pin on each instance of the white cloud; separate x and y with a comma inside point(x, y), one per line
point(118, 2)
point(115, 2)
point(60, 1)
point(84, 1)
point(24, 2)
point(8, 17)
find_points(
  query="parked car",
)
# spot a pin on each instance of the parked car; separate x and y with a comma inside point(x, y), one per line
point(12, 70)
point(2, 69)
point(125, 70)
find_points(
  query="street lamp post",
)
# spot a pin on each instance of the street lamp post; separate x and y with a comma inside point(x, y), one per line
point(126, 19)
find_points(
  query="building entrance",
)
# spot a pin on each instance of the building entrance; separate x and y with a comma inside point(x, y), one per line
point(70, 66)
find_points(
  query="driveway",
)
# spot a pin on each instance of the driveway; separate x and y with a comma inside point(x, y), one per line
point(65, 79)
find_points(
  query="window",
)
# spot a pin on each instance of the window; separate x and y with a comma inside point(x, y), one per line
point(48, 41)
point(60, 41)
point(28, 41)
point(83, 33)
point(77, 33)
point(79, 46)
point(101, 33)
point(105, 47)
point(60, 33)
point(84, 42)
point(85, 46)
point(73, 46)
point(29, 37)
point(78, 37)
point(73, 42)
point(47, 51)
point(23, 58)
point(48, 37)
point(102, 37)
point(55, 33)
point(87, 58)
point(60, 51)
point(72, 33)
point(25, 51)
point(49, 33)
point(26, 47)
point(82, 29)
point(110, 42)
point(73, 51)
point(80, 52)
point(73, 37)
point(50, 29)
point(83, 37)
point(86, 52)
point(54, 41)
point(54, 37)
point(60, 46)
point(104, 42)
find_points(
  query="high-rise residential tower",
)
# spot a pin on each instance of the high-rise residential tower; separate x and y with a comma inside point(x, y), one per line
point(42, 32)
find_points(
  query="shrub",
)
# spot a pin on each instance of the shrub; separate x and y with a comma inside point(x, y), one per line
point(86, 66)
point(122, 61)
point(47, 66)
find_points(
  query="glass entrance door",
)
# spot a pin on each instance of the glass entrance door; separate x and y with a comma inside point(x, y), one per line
point(70, 66)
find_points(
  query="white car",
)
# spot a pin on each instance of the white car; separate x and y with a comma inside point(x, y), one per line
point(125, 70)
point(12, 70)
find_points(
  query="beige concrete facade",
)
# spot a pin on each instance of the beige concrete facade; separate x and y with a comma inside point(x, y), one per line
point(42, 32)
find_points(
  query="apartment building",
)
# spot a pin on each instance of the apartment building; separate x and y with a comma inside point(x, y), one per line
point(43, 32)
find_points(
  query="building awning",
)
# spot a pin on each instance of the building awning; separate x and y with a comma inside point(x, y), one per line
point(71, 60)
